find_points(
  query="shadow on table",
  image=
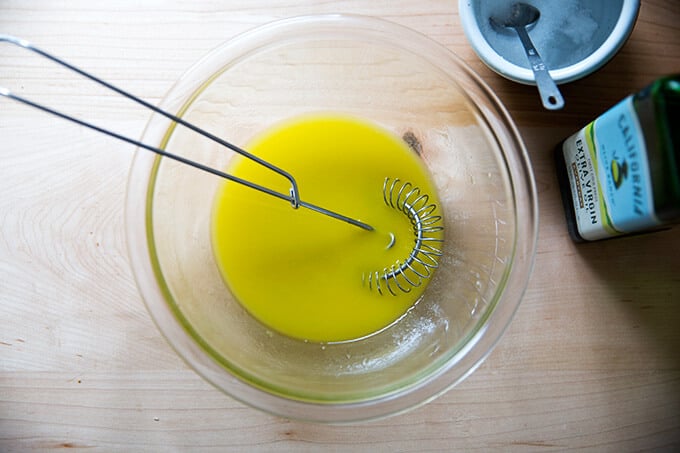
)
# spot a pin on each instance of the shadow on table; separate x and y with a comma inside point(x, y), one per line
point(643, 273)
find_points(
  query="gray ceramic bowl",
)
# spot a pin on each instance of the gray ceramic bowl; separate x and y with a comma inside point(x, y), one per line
point(574, 37)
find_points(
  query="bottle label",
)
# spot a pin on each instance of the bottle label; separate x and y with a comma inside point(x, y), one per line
point(609, 175)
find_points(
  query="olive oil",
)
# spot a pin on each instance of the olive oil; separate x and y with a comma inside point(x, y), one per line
point(621, 173)
point(299, 272)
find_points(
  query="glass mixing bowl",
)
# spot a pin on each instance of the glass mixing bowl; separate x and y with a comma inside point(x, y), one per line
point(384, 74)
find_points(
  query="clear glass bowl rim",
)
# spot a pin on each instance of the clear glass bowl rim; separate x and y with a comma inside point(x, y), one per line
point(466, 360)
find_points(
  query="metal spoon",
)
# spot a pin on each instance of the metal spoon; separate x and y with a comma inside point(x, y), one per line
point(520, 17)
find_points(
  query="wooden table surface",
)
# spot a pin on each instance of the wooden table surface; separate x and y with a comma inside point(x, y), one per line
point(591, 360)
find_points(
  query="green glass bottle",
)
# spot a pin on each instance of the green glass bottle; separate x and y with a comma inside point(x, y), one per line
point(621, 173)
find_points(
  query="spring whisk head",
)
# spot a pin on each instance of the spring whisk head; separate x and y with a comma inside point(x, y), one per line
point(424, 257)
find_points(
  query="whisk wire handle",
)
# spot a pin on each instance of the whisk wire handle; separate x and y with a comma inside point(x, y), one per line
point(28, 46)
point(293, 197)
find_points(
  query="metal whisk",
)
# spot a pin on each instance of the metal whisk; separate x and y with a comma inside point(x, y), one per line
point(293, 197)
point(418, 266)
point(425, 254)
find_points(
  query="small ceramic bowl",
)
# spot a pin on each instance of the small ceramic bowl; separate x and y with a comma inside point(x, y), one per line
point(574, 37)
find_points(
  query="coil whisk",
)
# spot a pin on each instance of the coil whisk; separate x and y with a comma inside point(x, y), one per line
point(403, 276)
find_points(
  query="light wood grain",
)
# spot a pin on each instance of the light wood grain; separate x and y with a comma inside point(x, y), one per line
point(590, 361)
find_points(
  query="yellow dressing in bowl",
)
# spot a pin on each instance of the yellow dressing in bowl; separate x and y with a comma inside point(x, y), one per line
point(302, 273)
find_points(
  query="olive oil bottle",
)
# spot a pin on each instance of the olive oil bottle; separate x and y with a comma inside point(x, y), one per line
point(621, 173)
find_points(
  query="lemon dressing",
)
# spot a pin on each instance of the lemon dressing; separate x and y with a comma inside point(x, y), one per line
point(300, 273)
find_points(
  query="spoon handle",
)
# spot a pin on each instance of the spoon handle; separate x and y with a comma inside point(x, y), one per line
point(550, 94)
